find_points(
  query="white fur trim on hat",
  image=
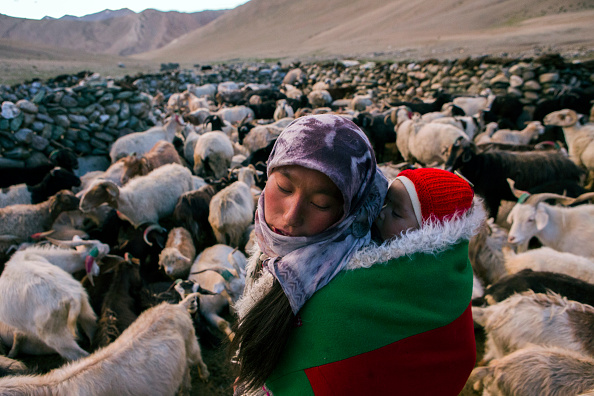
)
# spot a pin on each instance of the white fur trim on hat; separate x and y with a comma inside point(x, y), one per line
point(414, 198)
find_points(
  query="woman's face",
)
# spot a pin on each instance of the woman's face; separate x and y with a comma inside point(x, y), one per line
point(301, 201)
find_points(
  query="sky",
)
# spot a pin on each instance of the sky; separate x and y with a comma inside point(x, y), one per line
point(37, 9)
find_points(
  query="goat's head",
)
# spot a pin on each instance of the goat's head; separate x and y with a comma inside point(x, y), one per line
point(174, 263)
point(62, 201)
point(562, 118)
point(61, 179)
point(461, 152)
point(104, 191)
point(134, 166)
point(529, 216)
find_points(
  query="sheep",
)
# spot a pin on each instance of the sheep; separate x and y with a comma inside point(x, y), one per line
point(565, 229)
point(283, 110)
point(235, 114)
point(212, 154)
point(539, 282)
point(57, 179)
point(151, 357)
point(485, 137)
point(120, 305)
point(535, 318)
point(467, 124)
point(19, 222)
point(186, 101)
point(579, 138)
point(231, 210)
point(228, 283)
point(404, 126)
point(179, 253)
point(531, 132)
point(161, 153)
point(489, 170)
point(141, 142)
point(429, 142)
point(206, 90)
point(145, 199)
point(485, 252)
point(64, 158)
point(537, 371)
point(44, 300)
point(319, 98)
point(473, 105)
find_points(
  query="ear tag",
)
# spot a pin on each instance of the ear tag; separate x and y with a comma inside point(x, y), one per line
point(94, 252)
point(227, 275)
point(523, 198)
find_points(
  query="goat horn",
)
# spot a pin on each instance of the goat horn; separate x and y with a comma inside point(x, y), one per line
point(149, 229)
point(534, 199)
point(226, 273)
point(581, 198)
point(233, 261)
point(521, 195)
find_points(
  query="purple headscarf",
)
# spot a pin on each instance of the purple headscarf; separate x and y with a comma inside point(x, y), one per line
point(336, 147)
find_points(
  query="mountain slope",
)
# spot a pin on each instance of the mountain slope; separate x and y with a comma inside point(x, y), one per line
point(123, 35)
point(294, 28)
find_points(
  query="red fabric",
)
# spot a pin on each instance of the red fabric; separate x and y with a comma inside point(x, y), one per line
point(441, 193)
point(437, 362)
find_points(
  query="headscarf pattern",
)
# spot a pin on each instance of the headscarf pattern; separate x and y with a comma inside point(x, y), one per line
point(336, 147)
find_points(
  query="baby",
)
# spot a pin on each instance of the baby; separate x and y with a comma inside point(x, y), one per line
point(422, 196)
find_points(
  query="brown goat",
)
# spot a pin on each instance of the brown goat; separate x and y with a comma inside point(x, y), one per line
point(163, 152)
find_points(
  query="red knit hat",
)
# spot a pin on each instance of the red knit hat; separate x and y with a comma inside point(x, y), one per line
point(436, 193)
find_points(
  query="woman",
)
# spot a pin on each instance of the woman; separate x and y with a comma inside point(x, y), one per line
point(302, 316)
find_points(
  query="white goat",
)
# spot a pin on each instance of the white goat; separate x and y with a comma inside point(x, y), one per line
point(550, 260)
point(206, 90)
point(235, 114)
point(212, 154)
point(534, 318)
point(42, 299)
point(145, 199)
point(319, 98)
point(525, 136)
point(473, 104)
point(485, 137)
point(221, 269)
point(361, 102)
point(429, 142)
point(260, 136)
point(142, 142)
point(485, 252)
point(537, 371)
point(153, 356)
point(283, 110)
point(467, 124)
point(179, 253)
point(231, 210)
point(565, 229)
point(19, 342)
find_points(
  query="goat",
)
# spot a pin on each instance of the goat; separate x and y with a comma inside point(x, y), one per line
point(565, 229)
point(64, 158)
point(236, 114)
point(424, 107)
point(19, 222)
point(44, 300)
point(151, 357)
point(504, 110)
point(121, 303)
point(141, 142)
point(467, 124)
point(473, 105)
point(179, 253)
point(430, 142)
point(580, 139)
point(539, 282)
point(283, 110)
point(212, 154)
point(547, 259)
point(206, 90)
point(163, 152)
point(10, 366)
point(535, 318)
point(19, 342)
point(485, 252)
point(380, 130)
point(531, 132)
point(319, 98)
point(489, 170)
point(231, 210)
point(57, 179)
point(537, 371)
point(221, 269)
point(145, 199)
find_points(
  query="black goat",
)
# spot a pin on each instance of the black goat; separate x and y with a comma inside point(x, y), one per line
point(576, 99)
point(258, 159)
point(379, 128)
point(489, 170)
point(540, 282)
point(264, 110)
point(57, 179)
point(64, 158)
point(505, 111)
point(422, 107)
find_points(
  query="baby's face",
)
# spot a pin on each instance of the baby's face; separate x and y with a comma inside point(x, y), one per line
point(398, 214)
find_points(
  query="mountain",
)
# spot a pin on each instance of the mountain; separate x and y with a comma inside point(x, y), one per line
point(121, 32)
point(281, 29)
point(99, 16)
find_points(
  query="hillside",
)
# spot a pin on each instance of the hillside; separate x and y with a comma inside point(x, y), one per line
point(123, 33)
point(281, 29)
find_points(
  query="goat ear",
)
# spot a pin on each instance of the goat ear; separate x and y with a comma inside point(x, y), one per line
point(542, 218)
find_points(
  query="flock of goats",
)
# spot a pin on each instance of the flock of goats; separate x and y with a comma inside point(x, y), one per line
point(119, 270)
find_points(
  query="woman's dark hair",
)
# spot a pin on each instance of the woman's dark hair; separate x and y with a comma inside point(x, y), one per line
point(261, 337)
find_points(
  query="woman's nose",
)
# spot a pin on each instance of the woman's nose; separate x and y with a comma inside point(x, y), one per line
point(294, 213)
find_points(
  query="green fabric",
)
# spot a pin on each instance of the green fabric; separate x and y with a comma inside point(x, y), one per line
point(365, 309)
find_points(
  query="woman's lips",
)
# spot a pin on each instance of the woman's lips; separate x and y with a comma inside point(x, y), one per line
point(279, 231)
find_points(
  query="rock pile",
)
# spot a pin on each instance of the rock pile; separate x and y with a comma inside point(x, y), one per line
point(87, 112)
